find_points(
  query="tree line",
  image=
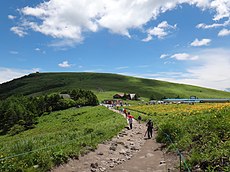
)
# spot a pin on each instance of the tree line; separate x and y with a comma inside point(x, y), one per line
point(19, 113)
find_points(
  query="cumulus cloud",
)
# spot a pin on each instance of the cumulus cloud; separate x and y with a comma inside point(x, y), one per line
point(159, 31)
point(7, 74)
point(64, 64)
point(224, 32)
point(203, 42)
point(11, 17)
point(222, 9)
point(164, 56)
point(184, 56)
point(60, 19)
point(20, 31)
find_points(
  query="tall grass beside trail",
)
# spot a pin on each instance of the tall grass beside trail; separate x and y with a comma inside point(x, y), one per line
point(200, 132)
point(58, 137)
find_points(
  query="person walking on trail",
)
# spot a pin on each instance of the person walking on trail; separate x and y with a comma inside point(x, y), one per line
point(130, 119)
point(139, 119)
point(130, 123)
point(125, 112)
point(150, 128)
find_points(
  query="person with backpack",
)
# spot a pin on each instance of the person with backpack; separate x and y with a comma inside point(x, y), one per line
point(150, 128)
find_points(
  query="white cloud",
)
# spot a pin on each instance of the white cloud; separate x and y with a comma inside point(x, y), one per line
point(162, 30)
point(60, 19)
point(214, 25)
point(19, 31)
point(222, 8)
point(148, 38)
point(40, 50)
point(184, 56)
point(11, 17)
point(224, 32)
point(212, 72)
point(164, 56)
point(203, 42)
point(64, 64)
point(7, 74)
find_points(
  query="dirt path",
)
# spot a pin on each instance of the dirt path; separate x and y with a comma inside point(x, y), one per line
point(127, 152)
point(149, 159)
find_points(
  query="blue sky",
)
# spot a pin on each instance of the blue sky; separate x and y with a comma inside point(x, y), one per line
point(183, 41)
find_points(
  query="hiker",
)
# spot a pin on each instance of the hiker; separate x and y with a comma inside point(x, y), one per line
point(130, 119)
point(139, 119)
point(150, 128)
point(125, 112)
point(121, 110)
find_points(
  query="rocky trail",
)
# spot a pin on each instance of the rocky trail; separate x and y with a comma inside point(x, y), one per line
point(129, 151)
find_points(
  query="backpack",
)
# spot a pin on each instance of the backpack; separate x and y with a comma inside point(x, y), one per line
point(150, 124)
point(130, 120)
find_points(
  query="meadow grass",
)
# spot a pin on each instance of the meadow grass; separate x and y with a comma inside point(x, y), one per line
point(57, 137)
point(201, 132)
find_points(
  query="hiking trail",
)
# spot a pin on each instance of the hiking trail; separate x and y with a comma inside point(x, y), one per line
point(129, 151)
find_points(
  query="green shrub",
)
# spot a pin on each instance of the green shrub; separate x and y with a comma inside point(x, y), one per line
point(168, 133)
point(16, 129)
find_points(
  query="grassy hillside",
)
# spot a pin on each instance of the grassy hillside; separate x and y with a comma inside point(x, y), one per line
point(57, 137)
point(104, 85)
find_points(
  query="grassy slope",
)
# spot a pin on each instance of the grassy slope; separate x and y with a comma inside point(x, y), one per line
point(104, 85)
point(57, 136)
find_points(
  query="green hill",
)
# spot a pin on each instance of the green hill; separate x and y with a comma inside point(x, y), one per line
point(104, 85)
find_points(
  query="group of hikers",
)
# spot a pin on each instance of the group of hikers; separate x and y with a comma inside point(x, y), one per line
point(149, 124)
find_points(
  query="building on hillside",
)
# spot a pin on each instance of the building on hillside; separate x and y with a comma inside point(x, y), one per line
point(125, 96)
point(119, 96)
point(132, 97)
